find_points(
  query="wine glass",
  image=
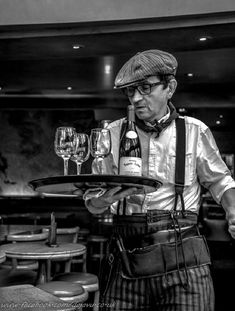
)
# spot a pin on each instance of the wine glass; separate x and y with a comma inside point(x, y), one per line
point(64, 145)
point(100, 145)
point(81, 151)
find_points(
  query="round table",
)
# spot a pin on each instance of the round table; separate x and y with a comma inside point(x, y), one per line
point(42, 252)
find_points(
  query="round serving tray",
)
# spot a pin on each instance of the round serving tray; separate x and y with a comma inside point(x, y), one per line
point(75, 185)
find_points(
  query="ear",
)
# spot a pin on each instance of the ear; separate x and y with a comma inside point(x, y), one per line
point(172, 85)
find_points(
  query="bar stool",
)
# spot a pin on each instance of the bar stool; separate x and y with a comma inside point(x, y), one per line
point(65, 235)
point(83, 235)
point(88, 281)
point(66, 291)
point(97, 248)
point(26, 236)
point(82, 239)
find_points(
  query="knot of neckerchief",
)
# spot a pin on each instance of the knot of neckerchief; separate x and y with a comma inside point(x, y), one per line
point(158, 126)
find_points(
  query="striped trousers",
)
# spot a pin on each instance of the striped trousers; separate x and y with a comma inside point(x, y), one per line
point(162, 293)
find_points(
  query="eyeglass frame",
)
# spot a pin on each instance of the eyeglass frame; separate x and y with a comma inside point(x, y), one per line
point(137, 87)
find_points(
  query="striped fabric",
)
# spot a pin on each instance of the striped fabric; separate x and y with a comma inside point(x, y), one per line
point(162, 293)
point(145, 64)
point(166, 292)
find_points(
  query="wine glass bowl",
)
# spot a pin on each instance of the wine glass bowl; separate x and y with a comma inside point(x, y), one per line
point(63, 144)
point(81, 150)
point(100, 145)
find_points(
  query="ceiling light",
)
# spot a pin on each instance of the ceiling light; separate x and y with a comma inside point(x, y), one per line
point(204, 38)
point(190, 74)
point(69, 88)
point(218, 122)
point(77, 46)
point(107, 69)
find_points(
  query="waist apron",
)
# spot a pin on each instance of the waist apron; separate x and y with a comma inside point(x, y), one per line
point(149, 256)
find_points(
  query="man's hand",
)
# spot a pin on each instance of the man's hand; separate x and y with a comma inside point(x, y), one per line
point(100, 204)
point(231, 225)
point(228, 203)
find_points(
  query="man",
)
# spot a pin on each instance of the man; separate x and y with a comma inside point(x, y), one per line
point(157, 224)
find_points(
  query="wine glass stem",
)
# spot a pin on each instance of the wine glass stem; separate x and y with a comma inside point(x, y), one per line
point(100, 161)
point(66, 166)
point(79, 165)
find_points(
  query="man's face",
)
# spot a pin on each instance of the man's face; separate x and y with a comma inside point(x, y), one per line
point(154, 105)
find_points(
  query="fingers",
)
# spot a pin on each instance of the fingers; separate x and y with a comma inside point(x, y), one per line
point(112, 191)
point(125, 193)
point(231, 230)
point(231, 226)
point(116, 194)
point(231, 222)
point(113, 195)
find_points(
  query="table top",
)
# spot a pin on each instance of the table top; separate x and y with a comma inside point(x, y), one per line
point(75, 185)
point(39, 250)
point(30, 298)
point(2, 256)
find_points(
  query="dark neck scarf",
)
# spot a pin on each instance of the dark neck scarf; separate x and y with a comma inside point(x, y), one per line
point(158, 126)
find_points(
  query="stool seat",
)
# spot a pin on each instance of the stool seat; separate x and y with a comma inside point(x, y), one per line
point(65, 291)
point(21, 264)
point(27, 236)
point(97, 238)
point(88, 281)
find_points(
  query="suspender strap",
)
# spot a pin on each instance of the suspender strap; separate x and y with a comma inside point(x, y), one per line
point(180, 161)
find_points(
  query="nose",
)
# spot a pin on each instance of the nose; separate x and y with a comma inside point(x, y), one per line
point(137, 96)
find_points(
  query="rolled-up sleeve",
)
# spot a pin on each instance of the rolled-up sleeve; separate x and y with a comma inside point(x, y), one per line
point(211, 169)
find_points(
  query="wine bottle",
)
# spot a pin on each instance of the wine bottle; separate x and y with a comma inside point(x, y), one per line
point(130, 162)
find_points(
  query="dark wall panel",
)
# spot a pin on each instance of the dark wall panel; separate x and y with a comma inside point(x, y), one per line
point(27, 145)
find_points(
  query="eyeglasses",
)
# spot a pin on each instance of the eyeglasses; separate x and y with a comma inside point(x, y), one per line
point(143, 89)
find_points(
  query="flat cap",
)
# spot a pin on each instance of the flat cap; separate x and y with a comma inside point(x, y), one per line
point(145, 64)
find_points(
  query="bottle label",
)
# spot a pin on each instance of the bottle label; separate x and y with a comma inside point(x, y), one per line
point(131, 166)
point(131, 135)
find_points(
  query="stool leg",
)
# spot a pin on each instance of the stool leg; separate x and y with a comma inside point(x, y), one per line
point(90, 256)
point(68, 266)
point(14, 263)
point(42, 272)
point(48, 270)
point(96, 300)
point(84, 269)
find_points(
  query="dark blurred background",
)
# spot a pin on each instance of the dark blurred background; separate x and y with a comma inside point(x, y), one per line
point(58, 61)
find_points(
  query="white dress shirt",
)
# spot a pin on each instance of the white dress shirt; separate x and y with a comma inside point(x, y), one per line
point(203, 165)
